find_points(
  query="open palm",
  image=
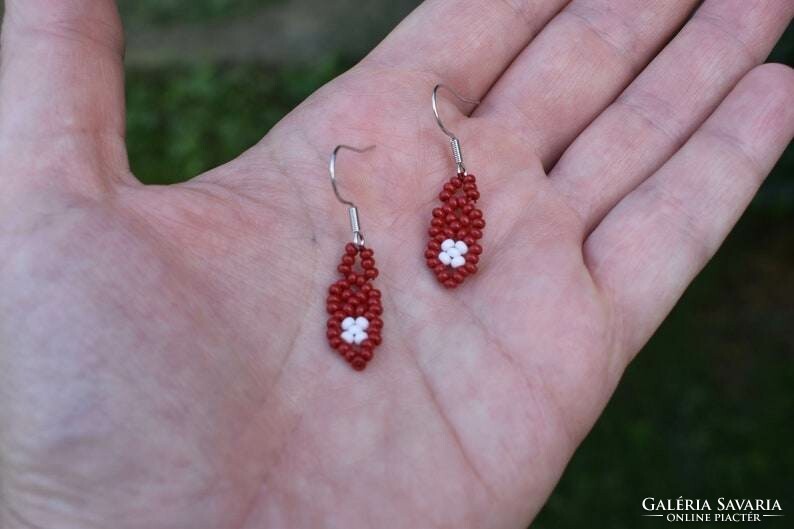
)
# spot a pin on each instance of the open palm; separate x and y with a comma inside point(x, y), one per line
point(163, 360)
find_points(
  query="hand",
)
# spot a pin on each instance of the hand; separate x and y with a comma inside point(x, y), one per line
point(164, 361)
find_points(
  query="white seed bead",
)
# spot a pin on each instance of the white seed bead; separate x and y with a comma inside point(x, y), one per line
point(362, 323)
point(461, 247)
point(445, 258)
point(446, 245)
point(458, 261)
point(347, 323)
point(453, 252)
point(348, 336)
point(360, 337)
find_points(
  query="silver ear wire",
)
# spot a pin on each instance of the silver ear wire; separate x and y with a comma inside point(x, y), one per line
point(457, 153)
point(352, 210)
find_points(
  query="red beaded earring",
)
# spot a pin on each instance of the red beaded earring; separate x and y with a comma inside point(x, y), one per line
point(354, 306)
point(453, 249)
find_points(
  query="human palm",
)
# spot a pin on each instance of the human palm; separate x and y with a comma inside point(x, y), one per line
point(164, 361)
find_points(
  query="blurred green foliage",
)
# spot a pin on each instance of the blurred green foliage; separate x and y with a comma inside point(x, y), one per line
point(187, 119)
point(182, 11)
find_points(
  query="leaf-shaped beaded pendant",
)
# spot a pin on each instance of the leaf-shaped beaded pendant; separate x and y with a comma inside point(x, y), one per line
point(354, 308)
point(453, 248)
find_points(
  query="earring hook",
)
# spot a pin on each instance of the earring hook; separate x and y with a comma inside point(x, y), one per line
point(457, 153)
point(355, 226)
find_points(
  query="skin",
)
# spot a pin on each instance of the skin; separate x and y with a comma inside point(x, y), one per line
point(163, 361)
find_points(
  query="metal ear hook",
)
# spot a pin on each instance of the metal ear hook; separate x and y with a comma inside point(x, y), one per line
point(453, 140)
point(352, 210)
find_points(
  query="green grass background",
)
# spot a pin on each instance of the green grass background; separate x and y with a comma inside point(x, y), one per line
point(707, 408)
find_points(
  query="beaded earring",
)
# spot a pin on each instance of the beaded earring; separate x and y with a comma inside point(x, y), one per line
point(453, 249)
point(354, 305)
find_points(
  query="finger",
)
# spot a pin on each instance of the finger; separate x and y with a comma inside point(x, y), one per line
point(577, 65)
point(675, 93)
point(648, 249)
point(466, 44)
point(62, 92)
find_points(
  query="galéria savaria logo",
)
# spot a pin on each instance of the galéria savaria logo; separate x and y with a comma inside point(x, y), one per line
point(720, 510)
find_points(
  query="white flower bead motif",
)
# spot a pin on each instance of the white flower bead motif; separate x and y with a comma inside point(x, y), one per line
point(452, 253)
point(353, 329)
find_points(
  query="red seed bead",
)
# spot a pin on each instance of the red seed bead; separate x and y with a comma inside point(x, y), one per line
point(339, 315)
point(471, 268)
point(332, 307)
point(449, 283)
point(472, 258)
point(349, 260)
point(433, 231)
point(370, 315)
point(446, 209)
point(375, 337)
point(477, 234)
point(335, 342)
point(366, 288)
point(372, 273)
point(476, 249)
point(478, 223)
point(444, 196)
point(374, 293)
point(350, 249)
point(367, 253)
point(350, 355)
point(335, 290)
point(438, 212)
point(344, 269)
point(365, 354)
point(431, 262)
point(359, 364)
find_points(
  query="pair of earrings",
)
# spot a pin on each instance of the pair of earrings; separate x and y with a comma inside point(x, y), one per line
point(452, 253)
